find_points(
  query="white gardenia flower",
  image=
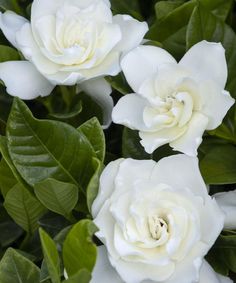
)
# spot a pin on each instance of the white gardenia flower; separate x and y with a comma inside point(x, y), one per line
point(174, 102)
point(67, 42)
point(105, 273)
point(154, 219)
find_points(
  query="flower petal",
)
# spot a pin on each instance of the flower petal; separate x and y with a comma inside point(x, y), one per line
point(216, 103)
point(151, 141)
point(206, 60)
point(132, 30)
point(106, 185)
point(128, 111)
point(10, 24)
point(23, 80)
point(142, 62)
point(103, 271)
point(100, 91)
point(189, 142)
point(180, 171)
point(227, 202)
point(207, 274)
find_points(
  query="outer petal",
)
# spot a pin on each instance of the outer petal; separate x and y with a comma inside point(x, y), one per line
point(23, 80)
point(129, 112)
point(100, 91)
point(142, 62)
point(10, 24)
point(151, 141)
point(132, 30)
point(227, 202)
point(189, 142)
point(216, 103)
point(208, 275)
point(180, 171)
point(106, 185)
point(206, 60)
point(103, 271)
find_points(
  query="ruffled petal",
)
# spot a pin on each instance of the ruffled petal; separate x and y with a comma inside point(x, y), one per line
point(23, 80)
point(100, 91)
point(189, 142)
point(206, 60)
point(10, 24)
point(132, 30)
point(129, 112)
point(142, 62)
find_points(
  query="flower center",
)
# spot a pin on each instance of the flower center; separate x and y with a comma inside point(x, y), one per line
point(157, 226)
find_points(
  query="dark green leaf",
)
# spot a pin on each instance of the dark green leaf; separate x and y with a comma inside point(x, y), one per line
point(8, 180)
point(8, 54)
point(219, 165)
point(94, 133)
point(57, 196)
point(130, 7)
point(163, 8)
point(79, 251)
point(59, 151)
point(51, 256)
point(15, 268)
point(93, 185)
point(10, 5)
point(24, 208)
point(119, 83)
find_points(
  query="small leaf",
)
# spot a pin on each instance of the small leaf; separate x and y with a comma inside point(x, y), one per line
point(57, 196)
point(93, 185)
point(83, 276)
point(79, 251)
point(8, 180)
point(120, 84)
point(24, 208)
point(42, 149)
point(15, 268)
point(123, 7)
point(51, 256)
point(10, 5)
point(95, 135)
point(219, 165)
point(8, 54)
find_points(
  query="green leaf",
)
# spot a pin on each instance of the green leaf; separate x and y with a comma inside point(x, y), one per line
point(51, 256)
point(93, 185)
point(163, 8)
point(8, 180)
point(131, 146)
point(219, 165)
point(204, 25)
point(15, 268)
point(119, 83)
point(171, 30)
point(76, 110)
point(95, 135)
point(10, 231)
point(8, 54)
point(130, 7)
point(83, 276)
point(10, 5)
point(57, 196)
point(24, 208)
point(42, 149)
point(79, 251)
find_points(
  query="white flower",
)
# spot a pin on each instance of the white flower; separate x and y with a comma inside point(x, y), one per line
point(154, 219)
point(67, 42)
point(174, 103)
point(227, 203)
point(105, 273)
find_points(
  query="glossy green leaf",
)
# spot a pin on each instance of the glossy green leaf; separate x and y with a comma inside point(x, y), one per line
point(131, 146)
point(57, 196)
point(51, 256)
point(204, 25)
point(76, 110)
point(94, 133)
point(164, 8)
point(83, 276)
point(219, 165)
point(93, 185)
point(130, 7)
point(79, 251)
point(42, 149)
point(15, 268)
point(8, 180)
point(8, 54)
point(24, 208)
point(120, 84)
